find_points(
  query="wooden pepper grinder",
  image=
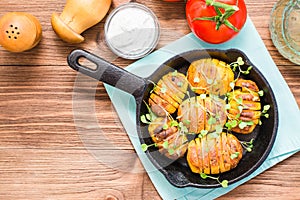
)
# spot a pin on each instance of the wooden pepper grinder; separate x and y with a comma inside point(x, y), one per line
point(19, 31)
point(77, 16)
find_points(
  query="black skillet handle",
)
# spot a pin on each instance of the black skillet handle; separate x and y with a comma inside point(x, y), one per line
point(108, 73)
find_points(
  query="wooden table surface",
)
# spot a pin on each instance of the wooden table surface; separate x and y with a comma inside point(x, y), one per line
point(55, 124)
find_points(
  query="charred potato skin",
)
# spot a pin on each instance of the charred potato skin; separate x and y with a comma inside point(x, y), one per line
point(212, 153)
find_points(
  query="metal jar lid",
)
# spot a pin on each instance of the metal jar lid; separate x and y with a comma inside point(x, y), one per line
point(132, 31)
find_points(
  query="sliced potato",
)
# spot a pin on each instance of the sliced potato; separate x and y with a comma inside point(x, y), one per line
point(193, 114)
point(167, 96)
point(225, 153)
point(205, 156)
point(210, 76)
point(155, 99)
point(176, 146)
point(243, 95)
point(214, 153)
point(220, 154)
point(178, 80)
point(192, 158)
point(245, 106)
point(170, 141)
point(156, 129)
point(199, 154)
point(246, 85)
point(199, 114)
point(235, 149)
point(169, 91)
point(209, 110)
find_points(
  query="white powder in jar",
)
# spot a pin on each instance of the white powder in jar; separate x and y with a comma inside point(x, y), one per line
point(132, 31)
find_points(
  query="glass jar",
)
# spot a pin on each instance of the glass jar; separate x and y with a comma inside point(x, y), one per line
point(132, 31)
point(285, 29)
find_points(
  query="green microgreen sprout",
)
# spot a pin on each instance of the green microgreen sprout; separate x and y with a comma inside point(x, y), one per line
point(163, 90)
point(171, 151)
point(232, 84)
point(203, 133)
point(145, 118)
point(224, 183)
point(182, 128)
point(235, 122)
point(209, 81)
point(174, 73)
point(165, 126)
point(243, 124)
point(234, 155)
point(145, 146)
point(240, 108)
point(212, 120)
point(149, 117)
point(202, 96)
point(219, 129)
point(247, 71)
point(228, 106)
point(231, 124)
point(165, 144)
point(173, 123)
point(265, 110)
point(214, 135)
point(186, 121)
point(237, 65)
point(154, 86)
point(240, 61)
point(196, 80)
point(260, 93)
point(239, 101)
point(179, 84)
point(247, 145)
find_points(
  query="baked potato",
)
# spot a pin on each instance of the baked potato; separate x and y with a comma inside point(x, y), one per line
point(214, 153)
point(198, 113)
point(170, 141)
point(210, 76)
point(245, 106)
point(169, 91)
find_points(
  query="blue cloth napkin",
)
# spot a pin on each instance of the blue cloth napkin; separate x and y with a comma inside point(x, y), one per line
point(288, 137)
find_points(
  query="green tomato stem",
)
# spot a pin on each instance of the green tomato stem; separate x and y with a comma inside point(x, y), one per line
point(220, 18)
point(221, 5)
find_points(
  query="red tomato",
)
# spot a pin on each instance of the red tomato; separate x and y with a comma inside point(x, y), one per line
point(216, 21)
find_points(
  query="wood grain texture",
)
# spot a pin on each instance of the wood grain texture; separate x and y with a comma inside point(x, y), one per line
point(51, 146)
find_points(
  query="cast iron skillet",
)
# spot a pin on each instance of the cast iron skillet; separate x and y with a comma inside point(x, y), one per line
point(177, 172)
